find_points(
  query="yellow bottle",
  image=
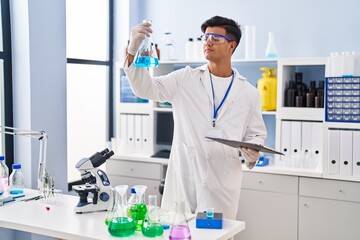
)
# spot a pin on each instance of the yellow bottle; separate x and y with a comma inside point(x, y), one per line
point(267, 86)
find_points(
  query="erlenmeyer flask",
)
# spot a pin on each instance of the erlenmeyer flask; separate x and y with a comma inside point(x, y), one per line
point(120, 225)
point(180, 229)
point(146, 56)
point(138, 212)
point(111, 207)
point(152, 226)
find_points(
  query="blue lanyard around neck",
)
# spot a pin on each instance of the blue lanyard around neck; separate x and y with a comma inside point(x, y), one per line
point(224, 98)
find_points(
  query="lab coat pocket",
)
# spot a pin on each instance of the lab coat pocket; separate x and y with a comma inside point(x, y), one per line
point(232, 170)
point(184, 157)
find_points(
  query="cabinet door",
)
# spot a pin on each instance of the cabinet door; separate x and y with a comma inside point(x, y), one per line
point(268, 215)
point(324, 219)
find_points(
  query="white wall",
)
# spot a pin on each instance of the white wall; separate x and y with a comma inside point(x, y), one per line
point(304, 28)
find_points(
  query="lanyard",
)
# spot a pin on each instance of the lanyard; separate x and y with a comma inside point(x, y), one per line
point(224, 98)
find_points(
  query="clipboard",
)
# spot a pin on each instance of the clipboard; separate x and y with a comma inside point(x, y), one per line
point(237, 144)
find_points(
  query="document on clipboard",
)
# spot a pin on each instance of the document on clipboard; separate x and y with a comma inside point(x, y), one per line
point(237, 144)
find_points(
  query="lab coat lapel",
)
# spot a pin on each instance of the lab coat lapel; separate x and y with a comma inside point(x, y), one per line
point(205, 79)
point(234, 91)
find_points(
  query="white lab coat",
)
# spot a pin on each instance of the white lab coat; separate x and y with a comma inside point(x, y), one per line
point(204, 173)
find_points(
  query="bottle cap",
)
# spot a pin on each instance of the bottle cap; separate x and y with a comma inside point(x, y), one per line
point(2, 158)
point(132, 190)
point(16, 166)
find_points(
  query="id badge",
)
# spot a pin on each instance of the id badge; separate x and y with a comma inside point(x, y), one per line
point(214, 133)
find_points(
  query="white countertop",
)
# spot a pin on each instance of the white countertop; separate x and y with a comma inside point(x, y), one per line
point(55, 217)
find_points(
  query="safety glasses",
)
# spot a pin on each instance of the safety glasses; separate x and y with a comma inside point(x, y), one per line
point(215, 38)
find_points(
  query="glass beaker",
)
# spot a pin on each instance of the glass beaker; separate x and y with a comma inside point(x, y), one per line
point(138, 211)
point(146, 56)
point(152, 226)
point(120, 225)
point(180, 229)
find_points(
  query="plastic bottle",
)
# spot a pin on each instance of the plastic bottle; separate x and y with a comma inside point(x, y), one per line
point(290, 94)
point(250, 42)
point(271, 49)
point(189, 49)
point(169, 48)
point(4, 176)
point(310, 95)
point(198, 50)
point(16, 180)
point(267, 86)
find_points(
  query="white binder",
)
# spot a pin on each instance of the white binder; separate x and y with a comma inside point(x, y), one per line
point(138, 133)
point(316, 144)
point(346, 151)
point(306, 144)
point(356, 153)
point(334, 151)
point(146, 144)
point(131, 133)
point(295, 143)
point(285, 141)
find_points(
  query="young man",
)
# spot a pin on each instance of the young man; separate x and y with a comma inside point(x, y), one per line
point(211, 100)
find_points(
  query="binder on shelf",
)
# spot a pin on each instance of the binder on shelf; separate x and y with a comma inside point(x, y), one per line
point(138, 133)
point(346, 151)
point(285, 141)
point(306, 144)
point(334, 151)
point(130, 133)
point(145, 132)
point(316, 144)
point(356, 153)
point(295, 143)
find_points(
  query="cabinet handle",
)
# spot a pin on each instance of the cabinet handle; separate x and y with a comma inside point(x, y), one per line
point(131, 169)
point(305, 205)
point(260, 181)
point(340, 190)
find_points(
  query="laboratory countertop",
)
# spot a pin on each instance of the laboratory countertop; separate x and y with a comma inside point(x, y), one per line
point(55, 217)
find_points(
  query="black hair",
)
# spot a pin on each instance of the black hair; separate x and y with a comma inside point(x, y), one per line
point(231, 27)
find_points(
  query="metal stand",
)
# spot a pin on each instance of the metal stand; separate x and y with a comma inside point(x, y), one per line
point(45, 181)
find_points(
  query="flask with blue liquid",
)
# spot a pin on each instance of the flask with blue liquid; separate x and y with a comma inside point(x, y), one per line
point(146, 56)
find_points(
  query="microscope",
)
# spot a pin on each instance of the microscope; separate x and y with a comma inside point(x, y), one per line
point(95, 182)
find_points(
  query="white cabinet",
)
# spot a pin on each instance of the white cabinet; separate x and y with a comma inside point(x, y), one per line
point(268, 204)
point(329, 209)
point(124, 170)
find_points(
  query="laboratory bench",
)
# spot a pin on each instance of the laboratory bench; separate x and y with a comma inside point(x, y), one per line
point(55, 217)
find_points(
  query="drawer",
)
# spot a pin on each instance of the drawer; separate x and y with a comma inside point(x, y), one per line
point(270, 182)
point(330, 189)
point(134, 169)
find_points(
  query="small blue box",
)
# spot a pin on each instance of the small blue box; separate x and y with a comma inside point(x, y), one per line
point(205, 222)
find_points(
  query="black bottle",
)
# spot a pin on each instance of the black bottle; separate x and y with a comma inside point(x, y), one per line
point(299, 82)
point(310, 95)
point(290, 95)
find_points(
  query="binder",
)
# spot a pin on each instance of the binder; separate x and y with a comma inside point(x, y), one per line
point(138, 133)
point(131, 133)
point(146, 133)
point(295, 143)
point(123, 132)
point(346, 150)
point(356, 153)
point(285, 141)
point(334, 151)
point(306, 144)
point(316, 144)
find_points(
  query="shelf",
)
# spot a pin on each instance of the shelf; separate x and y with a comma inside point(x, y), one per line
point(342, 125)
point(286, 171)
point(268, 113)
point(297, 113)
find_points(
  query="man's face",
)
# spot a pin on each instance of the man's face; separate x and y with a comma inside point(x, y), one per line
point(216, 45)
